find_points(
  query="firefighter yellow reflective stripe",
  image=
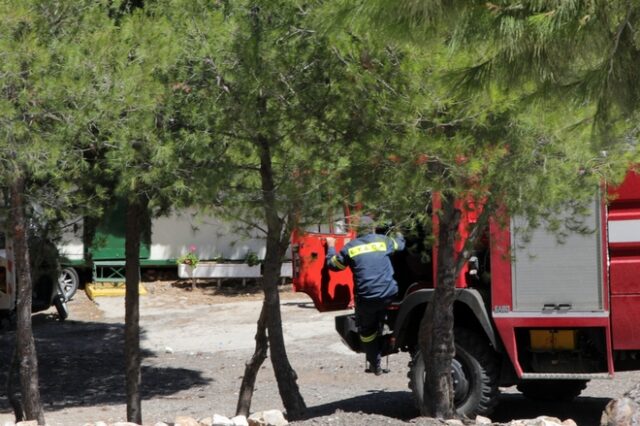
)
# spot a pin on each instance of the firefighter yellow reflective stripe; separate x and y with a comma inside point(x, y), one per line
point(395, 244)
point(367, 248)
point(368, 339)
point(336, 263)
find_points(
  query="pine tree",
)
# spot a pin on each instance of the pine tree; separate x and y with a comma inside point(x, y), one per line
point(148, 154)
point(286, 101)
point(518, 101)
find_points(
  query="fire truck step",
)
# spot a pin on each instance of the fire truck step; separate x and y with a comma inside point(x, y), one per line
point(567, 376)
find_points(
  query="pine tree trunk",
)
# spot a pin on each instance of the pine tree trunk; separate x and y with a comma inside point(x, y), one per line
point(25, 342)
point(285, 375)
point(136, 212)
point(436, 338)
point(15, 402)
point(253, 366)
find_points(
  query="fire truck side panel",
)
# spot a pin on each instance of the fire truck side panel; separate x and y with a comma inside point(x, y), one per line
point(624, 251)
point(545, 288)
point(552, 274)
point(501, 300)
point(508, 325)
point(627, 194)
point(624, 320)
point(469, 216)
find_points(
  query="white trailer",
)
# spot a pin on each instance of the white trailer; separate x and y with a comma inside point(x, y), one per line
point(224, 252)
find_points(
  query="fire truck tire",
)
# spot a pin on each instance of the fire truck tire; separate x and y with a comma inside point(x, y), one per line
point(475, 372)
point(552, 390)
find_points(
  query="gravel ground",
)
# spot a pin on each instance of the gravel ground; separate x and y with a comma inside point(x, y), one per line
point(195, 344)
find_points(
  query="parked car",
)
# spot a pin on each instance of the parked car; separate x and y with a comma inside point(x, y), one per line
point(45, 274)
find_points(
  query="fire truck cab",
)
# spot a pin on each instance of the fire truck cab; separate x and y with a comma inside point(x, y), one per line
point(543, 311)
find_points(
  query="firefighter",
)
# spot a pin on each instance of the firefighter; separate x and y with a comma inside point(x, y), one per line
point(368, 258)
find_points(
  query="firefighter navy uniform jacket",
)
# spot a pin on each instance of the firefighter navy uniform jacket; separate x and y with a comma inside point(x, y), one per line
point(368, 258)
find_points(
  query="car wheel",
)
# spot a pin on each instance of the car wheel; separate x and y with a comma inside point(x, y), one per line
point(69, 282)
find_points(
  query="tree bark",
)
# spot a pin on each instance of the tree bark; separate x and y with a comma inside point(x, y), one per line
point(285, 375)
point(436, 337)
point(25, 342)
point(15, 402)
point(253, 366)
point(136, 212)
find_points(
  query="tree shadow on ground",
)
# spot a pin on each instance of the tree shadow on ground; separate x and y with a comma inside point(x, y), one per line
point(396, 404)
point(585, 411)
point(82, 364)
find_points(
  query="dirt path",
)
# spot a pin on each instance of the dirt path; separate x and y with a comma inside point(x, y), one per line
point(195, 345)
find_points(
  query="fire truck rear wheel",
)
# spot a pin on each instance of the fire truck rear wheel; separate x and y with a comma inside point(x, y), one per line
point(475, 375)
point(552, 390)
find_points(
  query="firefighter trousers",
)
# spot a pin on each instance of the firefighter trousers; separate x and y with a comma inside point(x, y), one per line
point(370, 316)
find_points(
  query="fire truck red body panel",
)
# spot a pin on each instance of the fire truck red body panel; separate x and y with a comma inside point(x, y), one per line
point(624, 252)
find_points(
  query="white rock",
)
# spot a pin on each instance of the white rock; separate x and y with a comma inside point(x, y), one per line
point(569, 422)
point(159, 424)
point(240, 421)
point(205, 421)
point(481, 420)
point(124, 424)
point(219, 420)
point(621, 411)
point(454, 422)
point(185, 421)
point(28, 423)
point(101, 424)
point(168, 350)
point(543, 421)
point(267, 418)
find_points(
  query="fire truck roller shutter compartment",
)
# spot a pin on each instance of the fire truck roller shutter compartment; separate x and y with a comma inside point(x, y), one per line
point(558, 274)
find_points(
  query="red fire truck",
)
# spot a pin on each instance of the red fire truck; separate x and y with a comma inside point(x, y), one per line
point(532, 309)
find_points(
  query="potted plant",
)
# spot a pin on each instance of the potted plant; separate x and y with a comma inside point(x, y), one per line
point(190, 260)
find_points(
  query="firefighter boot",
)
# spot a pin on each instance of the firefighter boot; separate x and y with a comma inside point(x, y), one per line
point(372, 349)
point(377, 370)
